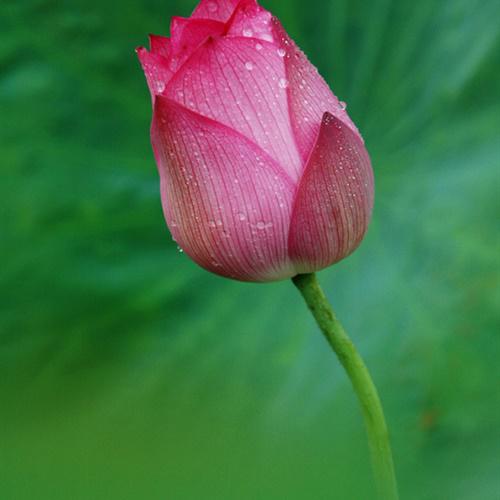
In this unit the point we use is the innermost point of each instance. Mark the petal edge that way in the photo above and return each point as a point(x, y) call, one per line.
point(156, 71)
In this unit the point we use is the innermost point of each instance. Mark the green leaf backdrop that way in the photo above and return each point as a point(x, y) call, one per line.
point(126, 372)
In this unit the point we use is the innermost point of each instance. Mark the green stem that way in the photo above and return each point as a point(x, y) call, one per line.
point(362, 383)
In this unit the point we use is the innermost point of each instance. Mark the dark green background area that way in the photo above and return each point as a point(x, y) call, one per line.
point(127, 372)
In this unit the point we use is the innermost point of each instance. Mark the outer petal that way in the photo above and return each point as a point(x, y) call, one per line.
point(334, 199)
point(251, 20)
point(308, 93)
point(239, 82)
point(227, 203)
point(219, 10)
point(156, 70)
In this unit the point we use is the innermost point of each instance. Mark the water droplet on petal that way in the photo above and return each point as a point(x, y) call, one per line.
point(283, 83)
point(343, 105)
point(249, 66)
point(242, 216)
point(281, 52)
point(180, 249)
point(247, 32)
point(259, 46)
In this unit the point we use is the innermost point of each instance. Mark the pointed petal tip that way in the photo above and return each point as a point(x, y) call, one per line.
point(250, 20)
point(219, 10)
point(340, 121)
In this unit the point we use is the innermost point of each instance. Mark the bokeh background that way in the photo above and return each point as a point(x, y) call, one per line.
point(127, 372)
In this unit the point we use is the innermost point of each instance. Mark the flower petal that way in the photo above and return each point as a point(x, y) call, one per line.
point(159, 45)
point(187, 35)
point(334, 199)
point(309, 94)
point(251, 20)
point(240, 82)
point(156, 70)
point(226, 202)
point(219, 10)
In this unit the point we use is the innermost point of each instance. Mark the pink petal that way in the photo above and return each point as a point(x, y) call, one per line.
point(251, 20)
point(188, 35)
point(309, 94)
point(334, 199)
point(219, 10)
point(156, 71)
point(159, 45)
point(226, 202)
point(240, 82)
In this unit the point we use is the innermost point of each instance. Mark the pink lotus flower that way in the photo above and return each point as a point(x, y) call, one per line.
point(263, 174)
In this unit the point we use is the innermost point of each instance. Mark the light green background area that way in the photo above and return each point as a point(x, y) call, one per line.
point(127, 372)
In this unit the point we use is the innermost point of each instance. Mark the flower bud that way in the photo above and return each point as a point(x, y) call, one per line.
point(263, 174)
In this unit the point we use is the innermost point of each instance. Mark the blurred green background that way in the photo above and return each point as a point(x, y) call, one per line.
point(127, 372)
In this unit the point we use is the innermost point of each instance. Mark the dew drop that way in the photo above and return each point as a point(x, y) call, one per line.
point(283, 83)
point(264, 225)
point(249, 66)
point(247, 32)
point(180, 249)
point(160, 87)
point(242, 216)
point(281, 52)
point(343, 105)
point(259, 46)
